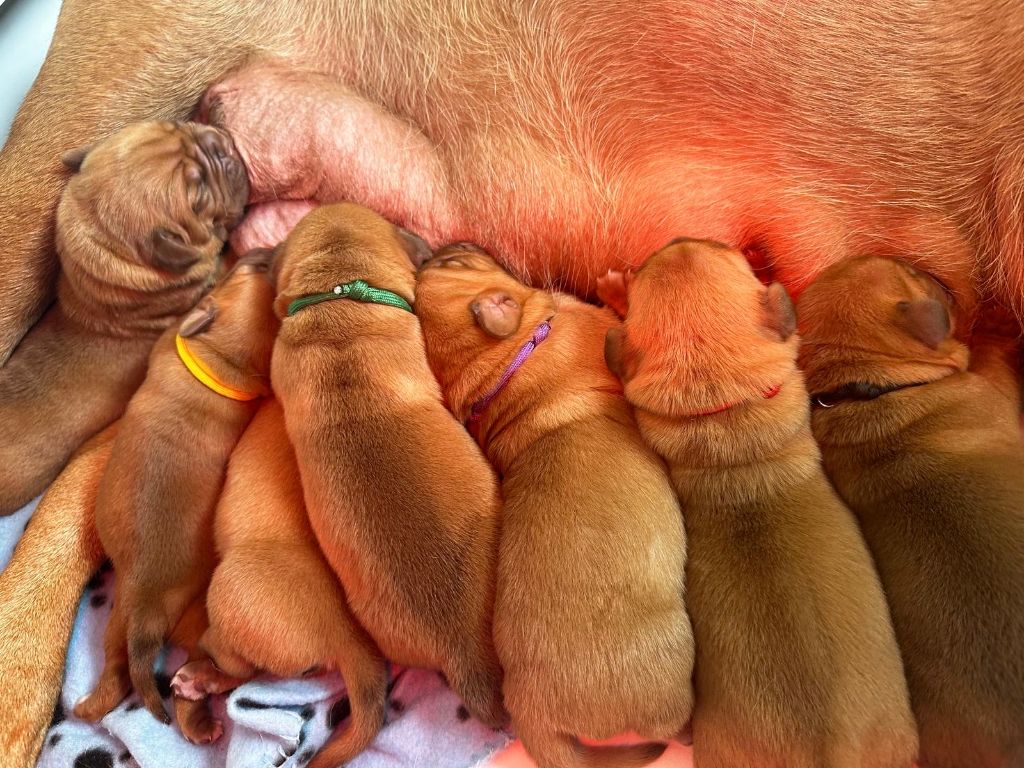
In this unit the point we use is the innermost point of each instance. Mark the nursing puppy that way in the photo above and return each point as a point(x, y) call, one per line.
point(589, 620)
point(156, 500)
point(929, 456)
point(797, 664)
point(402, 503)
point(271, 574)
point(139, 233)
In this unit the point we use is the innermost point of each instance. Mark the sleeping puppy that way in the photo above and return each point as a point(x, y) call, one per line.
point(139, 233)
point(929, 456)
point(402, 503)
point(271, 574)
point(797, 663)
point(589, 620)
point(155, 507)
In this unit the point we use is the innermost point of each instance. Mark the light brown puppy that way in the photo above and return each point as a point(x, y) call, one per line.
point(57, 554)
point(402, 503)
point(929, 456)
point(268, 560)
point(589, 620)
point(155, 508)
point(797, 664)
point(139, 234)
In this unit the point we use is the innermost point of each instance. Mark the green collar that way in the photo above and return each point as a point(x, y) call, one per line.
point(357, 290)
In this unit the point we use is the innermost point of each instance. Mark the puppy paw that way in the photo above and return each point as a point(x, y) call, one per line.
point(613, 291)
point(187, 682)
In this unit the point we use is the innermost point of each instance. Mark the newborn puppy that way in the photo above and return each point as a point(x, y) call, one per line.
point(797, 663)
point(589, 620)
point(930, 458)
point(402, 503)
point(271, 574)
point(155, 505)
point(139, 233)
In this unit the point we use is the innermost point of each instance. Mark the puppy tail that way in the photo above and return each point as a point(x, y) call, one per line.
point(146, 637)
point(560, 750)
point(366, 680)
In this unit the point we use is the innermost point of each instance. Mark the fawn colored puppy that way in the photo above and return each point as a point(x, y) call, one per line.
point(589, 620)
point(797, 664)
point(403, 504)
point(271, 574)
point(140, 227)
point(154, 512)
point(929, 456)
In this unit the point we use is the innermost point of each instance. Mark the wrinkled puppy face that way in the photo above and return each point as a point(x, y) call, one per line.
point(700, 331)
point(467, 304)
point(237, 317)
point(168, 192)
point(878, 311)
point(336, 244)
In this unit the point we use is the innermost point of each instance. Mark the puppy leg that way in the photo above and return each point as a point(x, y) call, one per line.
point(39, 592)
point(167, 53)
point(114, 683)
point(478, 684)
point(193, 714)
point(365, 676)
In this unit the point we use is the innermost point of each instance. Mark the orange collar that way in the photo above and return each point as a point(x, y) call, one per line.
point(206, 377)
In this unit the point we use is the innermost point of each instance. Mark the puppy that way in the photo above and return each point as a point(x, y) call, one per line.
point(402, 503)
point(589, 620)
point(139, 233)
point(271, 574)
point(797, 663)
point(56, 556)
point(929, 456)
point(155, 505)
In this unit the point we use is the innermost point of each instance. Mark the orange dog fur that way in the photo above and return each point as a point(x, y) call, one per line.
point(402, 503)
point(140, 228)
point(935, 472)
point(155, 508)
point(589, 619)
point(797, 664)
point(269, 559)
point(57, 554)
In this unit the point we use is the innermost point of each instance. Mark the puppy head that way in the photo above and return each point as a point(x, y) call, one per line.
point(877, 316)
point(700, 331)
point(236, 319)
point(159, 194)
point(337, 244)
point(469, 306)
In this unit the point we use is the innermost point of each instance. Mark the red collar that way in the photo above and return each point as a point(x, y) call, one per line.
point(768, 394)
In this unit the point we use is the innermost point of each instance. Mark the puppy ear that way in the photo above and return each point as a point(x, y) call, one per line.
point(613, 351)
point(415, 246)
point(779, 314)
point(73, 158)
point(167, 250)
point(926, 319)
point(199, 319)
point(613, 290)
point(497, 313)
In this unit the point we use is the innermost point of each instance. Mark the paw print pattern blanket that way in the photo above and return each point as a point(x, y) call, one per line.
point(267, 722)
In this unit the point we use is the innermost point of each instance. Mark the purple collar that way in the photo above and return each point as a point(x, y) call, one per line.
point(539, 334)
